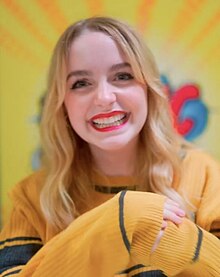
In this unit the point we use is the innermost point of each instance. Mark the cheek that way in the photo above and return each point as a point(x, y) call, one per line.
point(139, 101)
point(71, 108)
point(76, 112)
point(140, 107)
point(70, 103)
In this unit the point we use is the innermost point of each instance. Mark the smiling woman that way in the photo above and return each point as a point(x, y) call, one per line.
point(118, 190)
point(103, 95)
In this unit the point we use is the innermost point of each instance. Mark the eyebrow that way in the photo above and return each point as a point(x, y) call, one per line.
point(120, 65)
point(78, 73)
point(89, 73)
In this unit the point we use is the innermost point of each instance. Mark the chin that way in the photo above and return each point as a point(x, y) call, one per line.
point(112, 148)
point(114, 145)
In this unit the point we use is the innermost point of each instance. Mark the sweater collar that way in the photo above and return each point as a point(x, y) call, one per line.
point(113, 184)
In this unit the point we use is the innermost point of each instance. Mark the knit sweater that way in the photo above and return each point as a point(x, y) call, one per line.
point(115, 238)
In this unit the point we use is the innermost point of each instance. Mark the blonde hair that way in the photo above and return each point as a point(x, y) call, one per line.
point(67, 157)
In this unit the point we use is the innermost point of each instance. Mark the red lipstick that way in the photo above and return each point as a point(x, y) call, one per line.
point(111, 121)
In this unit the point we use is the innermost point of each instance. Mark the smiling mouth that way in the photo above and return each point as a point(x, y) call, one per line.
point(110, 122)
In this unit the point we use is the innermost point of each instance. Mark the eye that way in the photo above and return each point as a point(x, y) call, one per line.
point(80, 84)
point(123, 76)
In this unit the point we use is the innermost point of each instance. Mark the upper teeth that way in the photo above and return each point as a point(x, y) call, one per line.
point(108, 120)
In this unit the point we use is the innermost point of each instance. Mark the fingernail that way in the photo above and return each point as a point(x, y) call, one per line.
point(182, 213)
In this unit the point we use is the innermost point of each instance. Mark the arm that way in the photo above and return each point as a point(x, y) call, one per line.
point(102, 242)
point(187, 249)
point(200, 184)
point(208, 214)
point(19, 241)
point(25, 232)
point(93, 245)
point(181, 247)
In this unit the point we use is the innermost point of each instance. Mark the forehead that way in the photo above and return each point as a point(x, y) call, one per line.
point(94, 46)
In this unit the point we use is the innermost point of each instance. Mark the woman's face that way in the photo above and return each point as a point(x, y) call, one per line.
point(106, 105)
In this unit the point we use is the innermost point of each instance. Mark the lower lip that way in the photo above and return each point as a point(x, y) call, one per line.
point(110, 128)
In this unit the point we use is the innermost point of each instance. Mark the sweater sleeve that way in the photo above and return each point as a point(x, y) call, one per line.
point(184, 247)
point(24, 233)
point(104, 240)
point(188, 249)
point(19, 241)
point(98, 242)
point(95, 244)
point(200, 185)
point(208, 214)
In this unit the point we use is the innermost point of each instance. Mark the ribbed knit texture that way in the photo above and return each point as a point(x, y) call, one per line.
point(116, 237)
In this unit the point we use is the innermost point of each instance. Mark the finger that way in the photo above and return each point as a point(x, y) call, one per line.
point(171, 216)
point(157, 241)
point(164, 225)
point(175, 209)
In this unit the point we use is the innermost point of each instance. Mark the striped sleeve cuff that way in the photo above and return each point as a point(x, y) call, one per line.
point(16, 252)
point(186, 245)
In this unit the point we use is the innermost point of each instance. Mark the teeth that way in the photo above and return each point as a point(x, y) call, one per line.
point(109, 121)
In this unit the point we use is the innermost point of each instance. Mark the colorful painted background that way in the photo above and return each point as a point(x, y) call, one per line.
point(184, 36)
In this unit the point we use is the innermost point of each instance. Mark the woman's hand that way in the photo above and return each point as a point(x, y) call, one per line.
point(172, 212)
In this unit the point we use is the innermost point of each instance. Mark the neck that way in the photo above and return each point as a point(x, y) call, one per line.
point(120, 162)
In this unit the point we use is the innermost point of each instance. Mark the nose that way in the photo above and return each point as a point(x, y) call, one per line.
point(104, 94)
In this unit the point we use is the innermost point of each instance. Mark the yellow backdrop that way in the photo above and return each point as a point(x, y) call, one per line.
point(184, 35)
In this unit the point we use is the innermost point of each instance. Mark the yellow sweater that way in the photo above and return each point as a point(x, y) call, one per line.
point(116, 236)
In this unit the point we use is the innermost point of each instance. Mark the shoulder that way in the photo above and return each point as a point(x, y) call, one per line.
point(29, 188)
point(198, 157)
point(199, 167)
point(201, 181)
point(199, 176)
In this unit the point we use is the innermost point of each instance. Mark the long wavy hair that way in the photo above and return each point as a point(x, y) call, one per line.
point(67, 158)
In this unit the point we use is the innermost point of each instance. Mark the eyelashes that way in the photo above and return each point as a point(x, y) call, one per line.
point(80, 84)
point(119, 78)
point(123, 76)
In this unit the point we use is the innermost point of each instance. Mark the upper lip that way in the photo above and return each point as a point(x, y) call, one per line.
point(107, 115)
